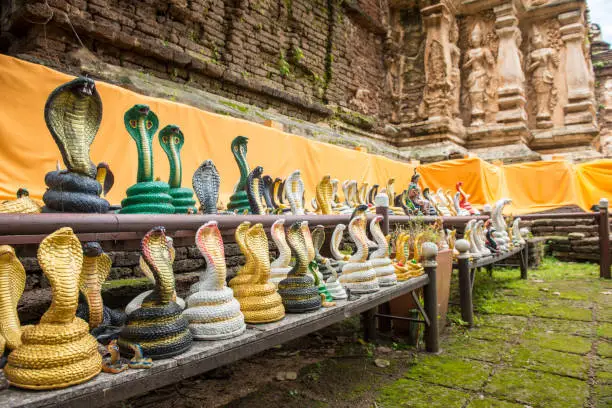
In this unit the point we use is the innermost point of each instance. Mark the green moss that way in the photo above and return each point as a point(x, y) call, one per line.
point(450, 371)
point(550, 361)
point(118, 283)
point(508, 307)
point(492, 403)
point(557, 341)
point(493, 333)
point(605, 330)
point(484, 350)
point(411, 393)
point(604, 349)
point(603, 395)
point(235, 106)
point(562, 326)
point(561, 311)
point(503, 322)
point(539, 389)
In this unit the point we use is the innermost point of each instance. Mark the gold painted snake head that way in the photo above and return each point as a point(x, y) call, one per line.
point(73, 114)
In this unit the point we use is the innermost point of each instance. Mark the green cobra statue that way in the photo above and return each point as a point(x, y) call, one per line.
point(146, 196)
point(171, 139)
point(239, 201)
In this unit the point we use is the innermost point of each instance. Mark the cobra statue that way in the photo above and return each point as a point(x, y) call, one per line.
point(212, 311)
point(334, 246)
point(360, 211)
point(357, 273)
point(59, 351)
point(490, 241)
point(406, 268)
point(104, 323)
point(22, 205)
point(171, 139)
point(385, 272)
point(441, 203)
point(294, 191)
point(298, 290)
point(206, 182)
point(146, 196)
point(267, 192)
point(499, 224)
point(324, 195)
point(255, 191)
point(259, 301)
point(239, 201)
point(12, 284)
point(362, 194)
point(461, 212)
point(279, 268)
point(136, 303)
point(324, 264)
point(517, 236)
point(372, 192)
point(158, 325)
point(73, 114)
point(463, 200)
point(276, 193)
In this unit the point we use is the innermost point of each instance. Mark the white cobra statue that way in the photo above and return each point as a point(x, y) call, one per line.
point(279, 268)
point(385, 272)
point(294, 191)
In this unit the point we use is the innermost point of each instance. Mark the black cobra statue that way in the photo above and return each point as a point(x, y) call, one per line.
point(73, 114)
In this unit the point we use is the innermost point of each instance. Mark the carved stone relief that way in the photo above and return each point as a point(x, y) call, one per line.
point(455, 71)
point(479, 63)
point(542, 65)
point(366, 102)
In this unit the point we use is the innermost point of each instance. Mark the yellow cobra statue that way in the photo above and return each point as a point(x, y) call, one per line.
point(324, 195)
point(414, 267)
point(12, 284)
point(259, 301)
point(401, 243)
point(22, 205)
point(59, 351)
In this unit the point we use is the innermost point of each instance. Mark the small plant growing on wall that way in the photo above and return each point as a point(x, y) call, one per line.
point(283, 66)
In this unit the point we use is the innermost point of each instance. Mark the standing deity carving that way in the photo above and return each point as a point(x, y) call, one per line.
point(455, 72)
point(542, 65)
point(480, 62)
point(393, 77)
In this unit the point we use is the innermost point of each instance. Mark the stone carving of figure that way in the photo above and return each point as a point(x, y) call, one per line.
point(455, 72)
point(480, 62)
point(542, 64)
point(393, 78)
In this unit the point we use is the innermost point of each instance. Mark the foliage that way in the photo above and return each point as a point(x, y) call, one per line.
point(283, 66)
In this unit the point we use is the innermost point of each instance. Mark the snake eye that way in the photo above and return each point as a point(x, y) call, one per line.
point(236, 149)
point(133, 123)
point(177, 140)
point(149, 124)
point(165, 139)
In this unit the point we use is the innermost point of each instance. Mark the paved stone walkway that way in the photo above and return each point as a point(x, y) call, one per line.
point(544, 342)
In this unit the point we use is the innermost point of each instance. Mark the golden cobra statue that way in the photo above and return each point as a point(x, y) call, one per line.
point(12, 284)
point(259, 301)
point(59, 351)
point(22, 205)
point(324, 195)
point(401, 255)
point(94, 272)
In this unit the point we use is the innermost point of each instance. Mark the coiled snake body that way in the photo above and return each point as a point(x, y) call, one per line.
point(157, 326)
point(298, 290)
point(212, 311)
point(59, 351)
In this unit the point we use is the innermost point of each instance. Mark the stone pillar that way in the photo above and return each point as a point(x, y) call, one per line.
point(579, 108)
point(511, 90)
point(436, 97)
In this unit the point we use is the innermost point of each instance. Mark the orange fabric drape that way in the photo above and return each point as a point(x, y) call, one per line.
point(27, 152)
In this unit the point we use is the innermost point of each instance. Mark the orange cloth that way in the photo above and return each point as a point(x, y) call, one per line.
point(28, 152)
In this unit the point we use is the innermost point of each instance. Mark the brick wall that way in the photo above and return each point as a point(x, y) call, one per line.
point(285, 54)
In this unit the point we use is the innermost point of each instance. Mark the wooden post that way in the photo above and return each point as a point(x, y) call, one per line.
point(368, 320)
point(604, 240)
point(430, 295)
point(465, 282)
point(382, 209)
point(524, 260)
